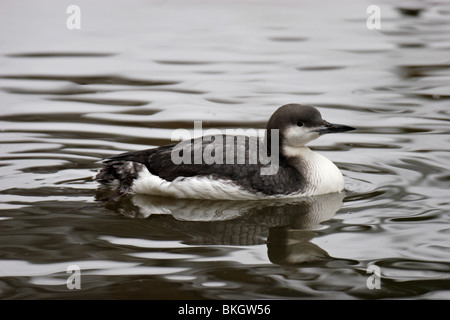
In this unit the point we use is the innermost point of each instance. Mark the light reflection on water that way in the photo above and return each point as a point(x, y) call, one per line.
point(71, 98)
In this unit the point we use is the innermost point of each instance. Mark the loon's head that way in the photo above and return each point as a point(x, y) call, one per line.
point(300, 124)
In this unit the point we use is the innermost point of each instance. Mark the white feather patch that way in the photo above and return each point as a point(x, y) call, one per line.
point(322, 174)
point(190, 187)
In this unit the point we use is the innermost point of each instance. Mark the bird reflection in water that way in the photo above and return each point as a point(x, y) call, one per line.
point(285, 226)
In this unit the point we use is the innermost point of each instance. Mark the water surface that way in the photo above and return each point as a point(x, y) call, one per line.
point(138, 70)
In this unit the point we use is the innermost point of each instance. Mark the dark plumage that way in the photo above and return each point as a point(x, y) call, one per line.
point(126, 166)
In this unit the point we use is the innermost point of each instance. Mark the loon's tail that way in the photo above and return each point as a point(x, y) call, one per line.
point(123, 171)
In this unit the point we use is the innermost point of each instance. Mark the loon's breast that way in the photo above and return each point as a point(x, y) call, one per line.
point(321, 175)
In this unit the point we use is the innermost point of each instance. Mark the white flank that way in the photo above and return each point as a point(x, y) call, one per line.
point(190, 187)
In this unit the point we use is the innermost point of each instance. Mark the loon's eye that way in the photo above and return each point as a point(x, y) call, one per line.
point(300, 124)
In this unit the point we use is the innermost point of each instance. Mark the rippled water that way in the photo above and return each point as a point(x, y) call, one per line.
point(139, 69)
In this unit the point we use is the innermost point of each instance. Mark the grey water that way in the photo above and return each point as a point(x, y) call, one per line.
point(137, 70)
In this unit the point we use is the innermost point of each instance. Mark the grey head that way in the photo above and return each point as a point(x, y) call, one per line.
point(299, 124)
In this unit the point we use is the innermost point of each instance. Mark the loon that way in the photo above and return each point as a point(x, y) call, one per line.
point(298, 172)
